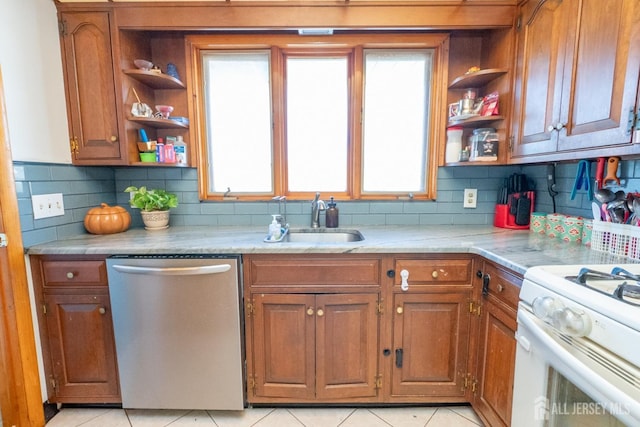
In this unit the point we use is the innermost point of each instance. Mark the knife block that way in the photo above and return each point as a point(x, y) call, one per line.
point(503, 217)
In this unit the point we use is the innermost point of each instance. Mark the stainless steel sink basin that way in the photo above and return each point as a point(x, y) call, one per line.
point(323, 235)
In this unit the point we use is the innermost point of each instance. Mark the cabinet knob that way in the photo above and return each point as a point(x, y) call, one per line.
point(102, 310)
point(399, 310)
point(434, 274)
point(113, 138)
point(70, 275)
point(310, 311)
point(499, 288)
point(320, 312)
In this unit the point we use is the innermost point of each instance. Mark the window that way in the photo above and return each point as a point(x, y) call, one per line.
point(291, 115)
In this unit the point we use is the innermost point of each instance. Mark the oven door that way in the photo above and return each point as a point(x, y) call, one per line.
point(567, 381)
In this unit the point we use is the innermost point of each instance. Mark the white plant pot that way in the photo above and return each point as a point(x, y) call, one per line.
point(155, 220)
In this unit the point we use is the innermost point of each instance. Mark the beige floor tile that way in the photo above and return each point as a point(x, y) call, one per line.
point(246, 418)
point(364, 418)
point(321, 417)
point(154, 417)
point(467, 412)
point(445, 417)
point(279, 418)
point(405, 417)
point(113, 418)
point(76, 416)
point(194, 419)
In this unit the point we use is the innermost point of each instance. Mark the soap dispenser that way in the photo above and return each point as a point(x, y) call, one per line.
point(275, 230)
point(331, 215)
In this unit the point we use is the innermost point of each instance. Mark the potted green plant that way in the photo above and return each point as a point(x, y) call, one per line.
point(154, 205)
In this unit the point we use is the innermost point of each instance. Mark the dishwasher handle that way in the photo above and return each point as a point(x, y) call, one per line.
point(173, 271)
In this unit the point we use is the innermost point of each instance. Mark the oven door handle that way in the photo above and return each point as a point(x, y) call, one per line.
point(573, 368)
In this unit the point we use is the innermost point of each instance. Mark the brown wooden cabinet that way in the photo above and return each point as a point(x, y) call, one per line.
point(92, 104)
point(576, 80)
point(430, 333)
point(76, 329)
point(492, 377)
point(312, 328)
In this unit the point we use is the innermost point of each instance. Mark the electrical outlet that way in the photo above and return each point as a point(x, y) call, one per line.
point(470, 197)
point(47, 205)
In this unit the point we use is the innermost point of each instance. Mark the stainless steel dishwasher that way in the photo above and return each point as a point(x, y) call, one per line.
point(177, 327)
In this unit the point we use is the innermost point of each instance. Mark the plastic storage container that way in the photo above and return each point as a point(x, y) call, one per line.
point(484, 145)
point(454, 144)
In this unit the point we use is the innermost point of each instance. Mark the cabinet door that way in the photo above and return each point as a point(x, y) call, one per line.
point(430, 338)
point(600, 77)
point(496, 363)
point(80, 336)
point(538, 74)
point(90, 85)
point(283, 333)
point(346, 344)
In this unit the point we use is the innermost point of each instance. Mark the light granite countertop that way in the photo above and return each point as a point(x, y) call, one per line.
point(514, 249)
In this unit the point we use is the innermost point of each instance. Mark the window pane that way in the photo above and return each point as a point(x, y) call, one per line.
point(317, 123)
point(238, 115)
point(396, 115)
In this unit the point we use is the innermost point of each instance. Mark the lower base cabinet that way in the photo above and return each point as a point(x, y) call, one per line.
point(496, 348)
point(314, 347)
point(430, 346)
point(76, 329)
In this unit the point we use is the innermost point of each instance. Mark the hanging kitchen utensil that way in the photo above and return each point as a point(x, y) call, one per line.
point(140, 109)
point(600, 172)
point(612, 171)
point(582, 180)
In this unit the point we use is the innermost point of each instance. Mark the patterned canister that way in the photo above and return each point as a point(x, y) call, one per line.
point(538, 222)
point(587, 229)
point(572, 228)
point(554, 225)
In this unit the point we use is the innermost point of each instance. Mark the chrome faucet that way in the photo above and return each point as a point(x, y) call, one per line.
point(317, 205)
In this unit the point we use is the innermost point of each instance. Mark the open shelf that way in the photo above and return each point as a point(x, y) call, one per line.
point(155, 80)
point(474, 122)
point(158, 123)
point(477, 79)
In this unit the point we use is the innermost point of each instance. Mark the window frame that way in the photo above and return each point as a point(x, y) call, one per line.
point(281, 45)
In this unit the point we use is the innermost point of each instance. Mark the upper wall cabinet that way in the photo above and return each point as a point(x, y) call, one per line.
point(90, 88)
point(576, 82)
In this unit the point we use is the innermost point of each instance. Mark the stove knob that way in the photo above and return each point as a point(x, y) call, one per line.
point(572, 323)
point(543, 307)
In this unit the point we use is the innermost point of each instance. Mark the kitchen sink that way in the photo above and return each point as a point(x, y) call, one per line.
point(323, 235)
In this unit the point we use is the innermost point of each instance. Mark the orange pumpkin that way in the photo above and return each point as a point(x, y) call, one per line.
point(106, 219)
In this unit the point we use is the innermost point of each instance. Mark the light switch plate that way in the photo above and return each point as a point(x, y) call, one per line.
point(470, 197)
point(47, 205)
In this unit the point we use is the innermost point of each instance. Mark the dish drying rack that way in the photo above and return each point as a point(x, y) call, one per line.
point(617, 239)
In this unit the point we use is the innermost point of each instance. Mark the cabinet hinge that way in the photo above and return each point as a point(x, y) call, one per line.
point(3, 240)
point(378, 382)
point(470, 382)
point(252, 384)
point(54, 383)
point(475, 308)
point(633, 122)
point(250, 309)
point(380, 307)
point(73, 142)
point(62, 27)
point(519, 22)
point(44, 309)
point(511, 139)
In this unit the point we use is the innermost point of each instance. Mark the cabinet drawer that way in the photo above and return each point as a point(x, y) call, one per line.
point(434, 271)
point(74, 272)
point(313, 270)
point(503, 284)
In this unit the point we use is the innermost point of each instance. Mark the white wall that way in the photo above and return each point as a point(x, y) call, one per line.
point(33, 84)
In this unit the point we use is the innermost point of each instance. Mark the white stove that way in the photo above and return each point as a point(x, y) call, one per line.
point(579, 345)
